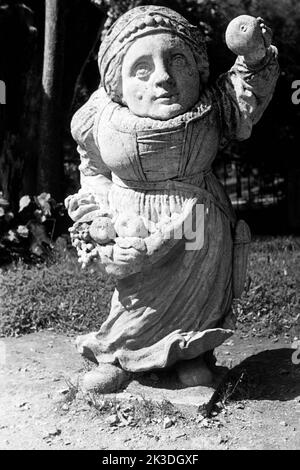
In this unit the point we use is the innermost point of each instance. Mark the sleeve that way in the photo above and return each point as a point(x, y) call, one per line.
point(243, 93)
point(95, 177)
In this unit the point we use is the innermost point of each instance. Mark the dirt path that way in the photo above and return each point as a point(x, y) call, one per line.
point(264, 413)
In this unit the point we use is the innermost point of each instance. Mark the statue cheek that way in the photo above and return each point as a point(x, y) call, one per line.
point(144, 93)
point(192, 82)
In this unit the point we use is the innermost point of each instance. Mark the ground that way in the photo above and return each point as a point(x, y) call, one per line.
point(258, 406)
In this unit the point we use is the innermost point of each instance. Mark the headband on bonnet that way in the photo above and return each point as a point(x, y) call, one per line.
point(139, 22)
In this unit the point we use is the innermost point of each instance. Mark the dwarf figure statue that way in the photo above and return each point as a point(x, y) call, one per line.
point(150, 211)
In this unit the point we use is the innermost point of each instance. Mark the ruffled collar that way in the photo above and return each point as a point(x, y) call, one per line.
point(123, 120)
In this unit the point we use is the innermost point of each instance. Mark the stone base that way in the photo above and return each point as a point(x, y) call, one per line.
point(162, 386)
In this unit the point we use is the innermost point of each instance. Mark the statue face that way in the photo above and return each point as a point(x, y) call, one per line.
point(160, 78)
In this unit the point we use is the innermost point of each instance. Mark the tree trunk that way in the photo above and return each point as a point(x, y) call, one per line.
point(50, 165)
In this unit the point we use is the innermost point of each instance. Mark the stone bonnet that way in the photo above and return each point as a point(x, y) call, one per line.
point(138, 22)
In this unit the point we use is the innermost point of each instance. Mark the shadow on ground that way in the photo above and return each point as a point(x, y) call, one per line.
point(268, 375)
point(167, 379)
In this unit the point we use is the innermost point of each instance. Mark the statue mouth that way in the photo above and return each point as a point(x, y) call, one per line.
point(167, 98)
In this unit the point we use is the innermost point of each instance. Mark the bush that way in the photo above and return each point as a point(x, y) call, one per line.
point(28, 233)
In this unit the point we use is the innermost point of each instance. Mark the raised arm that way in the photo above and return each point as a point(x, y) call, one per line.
point(244, 92)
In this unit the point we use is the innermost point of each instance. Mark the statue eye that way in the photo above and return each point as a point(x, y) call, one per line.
point(142, 70)
point(179, 60)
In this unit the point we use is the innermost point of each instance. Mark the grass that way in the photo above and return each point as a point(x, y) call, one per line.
point(57, 294)
point(60, 295)
point(270, 304)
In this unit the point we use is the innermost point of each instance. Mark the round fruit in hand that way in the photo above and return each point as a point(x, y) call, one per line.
point(244, 35)
point(102, 230)
point(131, 226)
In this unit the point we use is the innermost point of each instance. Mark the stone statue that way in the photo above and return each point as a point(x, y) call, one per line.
point(147, 139)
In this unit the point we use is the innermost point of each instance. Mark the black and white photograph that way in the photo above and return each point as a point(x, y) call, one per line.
point(149, 227)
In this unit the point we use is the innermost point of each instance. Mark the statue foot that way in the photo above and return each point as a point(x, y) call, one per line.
point(106, 378)
point(194, 372)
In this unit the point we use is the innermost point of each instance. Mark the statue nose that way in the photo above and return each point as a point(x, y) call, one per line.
point(162, 76)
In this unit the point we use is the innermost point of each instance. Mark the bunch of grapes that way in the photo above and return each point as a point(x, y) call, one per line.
point(87, 248)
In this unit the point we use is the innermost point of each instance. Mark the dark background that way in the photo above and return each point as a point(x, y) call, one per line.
point(37, 153)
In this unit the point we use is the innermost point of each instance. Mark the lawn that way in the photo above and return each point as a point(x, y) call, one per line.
point(60, 295)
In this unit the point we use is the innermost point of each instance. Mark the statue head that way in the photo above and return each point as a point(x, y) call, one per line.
point(154, 62)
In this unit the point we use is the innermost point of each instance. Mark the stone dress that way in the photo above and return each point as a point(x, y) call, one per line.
point(179, 305)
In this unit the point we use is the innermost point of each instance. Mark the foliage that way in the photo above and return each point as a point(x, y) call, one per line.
point(114, 9)
point(28, 234)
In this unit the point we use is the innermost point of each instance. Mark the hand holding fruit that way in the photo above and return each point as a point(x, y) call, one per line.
point(124, 237)
point(90, 234)
point(129, 250)
point(128, 257)
point(249, 37)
